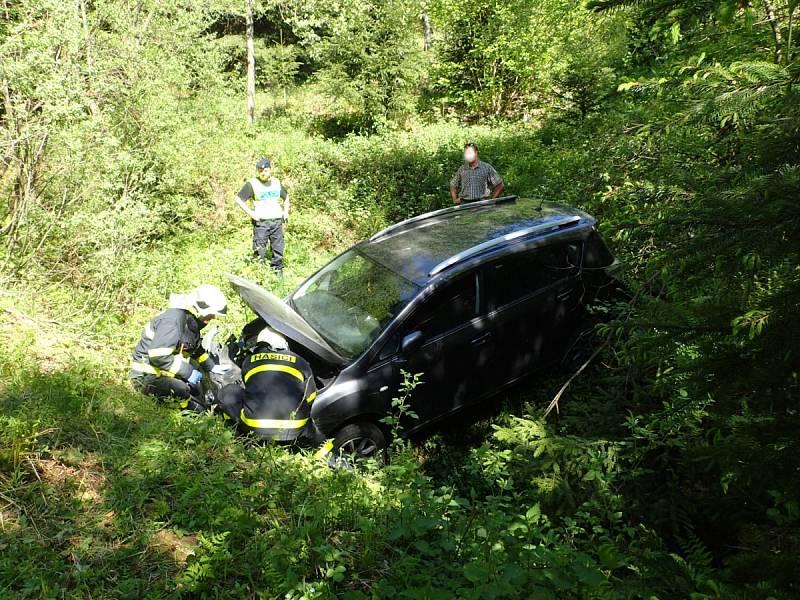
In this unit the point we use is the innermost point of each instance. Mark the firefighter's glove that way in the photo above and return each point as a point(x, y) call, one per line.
point(195, 377)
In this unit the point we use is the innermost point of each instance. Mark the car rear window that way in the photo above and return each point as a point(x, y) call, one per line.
point(596, 255)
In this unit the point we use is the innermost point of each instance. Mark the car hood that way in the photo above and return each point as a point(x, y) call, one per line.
point(281, 317)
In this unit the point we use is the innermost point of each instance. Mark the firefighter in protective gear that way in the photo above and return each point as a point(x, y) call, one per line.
point(278, 391)
point(166, 358)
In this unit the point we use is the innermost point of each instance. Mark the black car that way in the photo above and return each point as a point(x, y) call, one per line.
point(473, 297)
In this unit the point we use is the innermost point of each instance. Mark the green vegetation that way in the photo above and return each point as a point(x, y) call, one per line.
point(670, 468)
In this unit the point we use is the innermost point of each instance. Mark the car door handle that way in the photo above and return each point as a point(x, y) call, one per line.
point(480, 341)
point(564, 296)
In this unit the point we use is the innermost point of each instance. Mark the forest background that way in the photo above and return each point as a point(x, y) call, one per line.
point(671, 468)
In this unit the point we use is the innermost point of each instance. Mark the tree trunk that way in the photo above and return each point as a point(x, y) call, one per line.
point(776, 29)
point(91, 102)
point(86, 39)
point(147, 21)
point(251, 66)
point(285, 91)
point(427, 32)
point(792, 10)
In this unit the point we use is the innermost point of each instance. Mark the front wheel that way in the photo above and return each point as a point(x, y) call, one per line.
point(357, 442)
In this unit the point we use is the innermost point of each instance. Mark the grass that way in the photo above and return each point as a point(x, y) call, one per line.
point(106, 494)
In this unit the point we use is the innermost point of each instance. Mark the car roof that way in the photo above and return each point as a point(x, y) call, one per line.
point(421, 248)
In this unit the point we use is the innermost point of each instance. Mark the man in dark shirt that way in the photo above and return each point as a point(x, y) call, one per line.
point(475, 179)
point(266, 202)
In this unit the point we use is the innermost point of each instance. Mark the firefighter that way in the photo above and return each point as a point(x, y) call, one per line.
point(168, 358)
point(278, 391)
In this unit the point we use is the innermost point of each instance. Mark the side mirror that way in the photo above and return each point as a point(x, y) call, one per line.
point(411, 342)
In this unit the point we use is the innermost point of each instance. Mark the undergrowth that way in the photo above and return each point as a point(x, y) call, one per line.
point(103, 493)
point(111, 495)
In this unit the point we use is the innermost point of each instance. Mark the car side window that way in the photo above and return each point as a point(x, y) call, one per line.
point(454, 305)
point(391, 347)
point(449, 307)
point(519, 275)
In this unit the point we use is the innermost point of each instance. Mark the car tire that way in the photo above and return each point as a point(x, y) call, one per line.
point(356, 442)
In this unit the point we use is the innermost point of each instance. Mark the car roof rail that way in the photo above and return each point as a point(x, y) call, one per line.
point(442, 211)
point(559, 223)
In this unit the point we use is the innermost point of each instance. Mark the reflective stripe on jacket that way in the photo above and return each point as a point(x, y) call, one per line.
point(279, 390)
point(168, 344)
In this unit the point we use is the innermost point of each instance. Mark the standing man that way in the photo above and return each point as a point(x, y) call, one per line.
point(269, 211)
point(475, 180)
point(163, 362)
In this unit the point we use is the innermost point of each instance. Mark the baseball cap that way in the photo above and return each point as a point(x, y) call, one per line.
point(263, 163)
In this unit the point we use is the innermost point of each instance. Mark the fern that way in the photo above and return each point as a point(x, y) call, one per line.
point(698, 557)
point(662, 12)
point(738, 91)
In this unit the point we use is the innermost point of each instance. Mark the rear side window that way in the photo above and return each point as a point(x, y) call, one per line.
point(516, 276)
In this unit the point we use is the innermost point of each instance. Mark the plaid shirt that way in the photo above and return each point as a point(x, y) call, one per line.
point(473, 183)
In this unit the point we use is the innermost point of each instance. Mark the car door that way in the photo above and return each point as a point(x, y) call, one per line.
point(531, 297)
point(452, 353)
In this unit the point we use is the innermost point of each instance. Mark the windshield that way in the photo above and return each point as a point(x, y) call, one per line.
point(351, 300)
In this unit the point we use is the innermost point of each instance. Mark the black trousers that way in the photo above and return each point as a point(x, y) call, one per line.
point(231, 400)
point(269, 231)
point(170, 390)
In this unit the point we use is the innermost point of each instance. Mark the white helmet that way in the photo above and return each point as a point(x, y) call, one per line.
point(273, 339)
point(209, 301)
